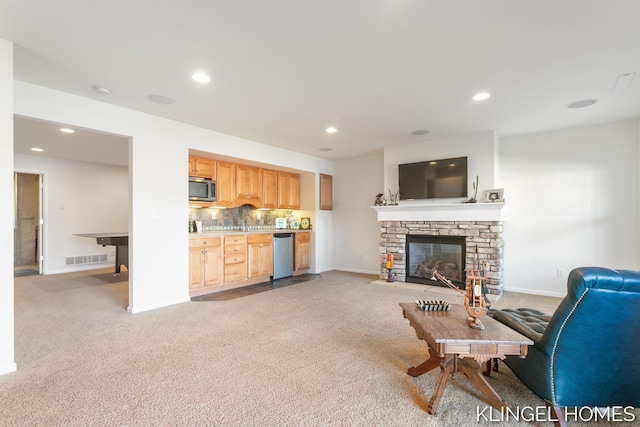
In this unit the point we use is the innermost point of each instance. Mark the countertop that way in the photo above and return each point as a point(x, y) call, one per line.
point(249, 231)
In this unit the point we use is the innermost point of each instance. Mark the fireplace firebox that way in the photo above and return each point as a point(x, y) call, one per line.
point(425, 254)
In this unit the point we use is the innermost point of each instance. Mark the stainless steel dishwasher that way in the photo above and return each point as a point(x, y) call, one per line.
point(282, 255)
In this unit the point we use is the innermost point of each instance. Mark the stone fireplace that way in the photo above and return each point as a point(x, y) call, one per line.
point(478, 227)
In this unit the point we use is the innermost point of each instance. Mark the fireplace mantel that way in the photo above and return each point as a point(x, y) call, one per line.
point(441, 212)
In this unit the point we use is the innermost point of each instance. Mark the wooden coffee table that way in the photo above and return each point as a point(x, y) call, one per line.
point(455, 347)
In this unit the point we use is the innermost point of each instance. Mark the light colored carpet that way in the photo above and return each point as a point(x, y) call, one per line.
point(328, 352)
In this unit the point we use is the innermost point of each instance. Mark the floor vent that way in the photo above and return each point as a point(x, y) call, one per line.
point(87, 259)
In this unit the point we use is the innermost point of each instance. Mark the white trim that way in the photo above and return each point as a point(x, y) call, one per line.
point(441, 212)
point(535, 292)
point(162, 304)
point(11, 367)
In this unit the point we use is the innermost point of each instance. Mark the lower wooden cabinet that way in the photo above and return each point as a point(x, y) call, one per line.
point(231, 261)
point(205, 257)
point(235, 258)
point(260, 250)
point(302, 251)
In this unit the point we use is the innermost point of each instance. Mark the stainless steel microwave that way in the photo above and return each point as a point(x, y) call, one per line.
point(202, 189)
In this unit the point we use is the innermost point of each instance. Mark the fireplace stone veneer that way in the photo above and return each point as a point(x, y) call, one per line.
point(483, 242)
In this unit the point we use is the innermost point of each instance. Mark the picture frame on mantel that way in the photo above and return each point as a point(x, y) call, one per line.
point(494, 196)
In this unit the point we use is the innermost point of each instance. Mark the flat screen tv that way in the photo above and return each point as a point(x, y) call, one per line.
point(435, 179)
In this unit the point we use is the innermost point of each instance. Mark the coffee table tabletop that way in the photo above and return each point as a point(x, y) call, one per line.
point(456, 347)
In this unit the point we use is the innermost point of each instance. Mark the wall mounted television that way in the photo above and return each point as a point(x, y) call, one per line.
point(434, 179)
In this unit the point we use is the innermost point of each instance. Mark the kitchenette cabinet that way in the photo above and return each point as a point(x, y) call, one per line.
point(225, 184)
point(235, 258)
point(302, 251)
point(288, 190)
point(228, 261)
point(205, 255)
point(269, 189)
point(248, 186)
point(202, 167)
point(260, 249)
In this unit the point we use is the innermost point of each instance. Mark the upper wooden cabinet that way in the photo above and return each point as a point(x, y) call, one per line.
point(248, 186)
point(288, 190)
point(225, 184)
point(202, 167)
point(326, 192)
point(269, 189)
point(238, 184)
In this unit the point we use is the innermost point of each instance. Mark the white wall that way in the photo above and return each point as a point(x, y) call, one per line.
point(571, 200)
point(356, 227)
point(158, 155)
point(79, 197)
point(479, 148)
point(7, 361)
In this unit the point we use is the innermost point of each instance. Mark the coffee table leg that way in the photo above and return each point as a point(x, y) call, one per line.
point(447, 368)
point(471, 369)
point(432, 362)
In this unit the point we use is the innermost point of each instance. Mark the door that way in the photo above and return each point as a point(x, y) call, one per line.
point(27, 254)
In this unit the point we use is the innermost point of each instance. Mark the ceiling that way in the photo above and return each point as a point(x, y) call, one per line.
point(284, 70)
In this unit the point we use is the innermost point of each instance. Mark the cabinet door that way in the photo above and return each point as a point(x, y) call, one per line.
point(288, 190)
point(302, 251)
point(326, 192)
point(196, 268)
point(202, 167)
point(260, 255)
point(269, 189)
point(266, 259)
point(225, 184)
point(248, 185)
point(212, 264)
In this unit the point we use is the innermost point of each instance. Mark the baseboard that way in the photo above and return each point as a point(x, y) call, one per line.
point(535, 292)
point(358, 270)
point(143, 308)
point(7, 369)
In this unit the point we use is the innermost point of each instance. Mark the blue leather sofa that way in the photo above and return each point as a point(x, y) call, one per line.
point(588, 352)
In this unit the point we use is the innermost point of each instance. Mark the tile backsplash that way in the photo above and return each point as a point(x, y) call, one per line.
point(230, 219)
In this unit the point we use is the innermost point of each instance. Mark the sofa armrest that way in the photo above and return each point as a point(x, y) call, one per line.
point(529, 322)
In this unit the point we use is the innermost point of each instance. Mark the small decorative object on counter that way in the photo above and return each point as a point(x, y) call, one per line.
point(192, 226)
point(389, 265)
point(305, 223)
point(380, 201)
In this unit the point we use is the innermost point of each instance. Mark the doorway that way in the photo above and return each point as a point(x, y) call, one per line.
point(27, 250)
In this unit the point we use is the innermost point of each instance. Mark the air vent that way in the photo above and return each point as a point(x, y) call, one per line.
point(87, 259)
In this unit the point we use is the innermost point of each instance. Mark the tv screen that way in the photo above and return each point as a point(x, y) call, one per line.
point(435, 179)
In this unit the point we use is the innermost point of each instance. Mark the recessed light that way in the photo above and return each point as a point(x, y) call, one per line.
point(481, 96)
point(201, 77)
point(37, 149)
point(331, 130)
point(582, 103)
point(67, 130)
point(325, 149)
point(159, 99)
point(420, 132)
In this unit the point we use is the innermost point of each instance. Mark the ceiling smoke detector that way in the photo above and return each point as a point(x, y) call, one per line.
point(101, 90)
